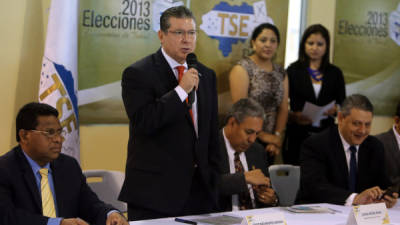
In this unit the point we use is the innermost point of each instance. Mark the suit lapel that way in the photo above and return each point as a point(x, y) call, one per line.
point(29, 179)
point(224, 154)
point(324, 85)
point(308, 86)
point(393, 142)
point(201, 101)
point(165, 73)
point(251, 160)
point(339, 154)
point(58, 189)
point(363, 161)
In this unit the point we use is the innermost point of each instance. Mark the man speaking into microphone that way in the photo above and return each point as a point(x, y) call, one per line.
point(173, 155)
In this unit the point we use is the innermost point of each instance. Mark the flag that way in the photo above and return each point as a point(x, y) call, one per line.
point(58, 79)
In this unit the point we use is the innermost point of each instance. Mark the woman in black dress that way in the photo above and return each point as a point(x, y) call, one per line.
point(313, 79)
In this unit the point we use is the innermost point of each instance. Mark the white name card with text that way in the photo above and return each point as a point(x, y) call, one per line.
point(372, 214)
point(265, 219)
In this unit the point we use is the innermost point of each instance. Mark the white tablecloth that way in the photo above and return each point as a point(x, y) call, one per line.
point(338, 218)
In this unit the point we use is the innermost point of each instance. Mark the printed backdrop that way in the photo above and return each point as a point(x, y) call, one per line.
point(114, 34)
point(367, 49)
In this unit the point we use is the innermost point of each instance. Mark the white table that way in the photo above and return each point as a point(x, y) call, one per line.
point(339, 218)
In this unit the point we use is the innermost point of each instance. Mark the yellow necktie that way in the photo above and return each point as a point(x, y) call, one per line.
point(47, 196)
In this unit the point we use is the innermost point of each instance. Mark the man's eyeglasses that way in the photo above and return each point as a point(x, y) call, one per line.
point(52, 133)
point(182, 33)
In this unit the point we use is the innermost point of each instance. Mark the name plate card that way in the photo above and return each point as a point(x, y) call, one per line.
point(368, 215)
point(265, 219)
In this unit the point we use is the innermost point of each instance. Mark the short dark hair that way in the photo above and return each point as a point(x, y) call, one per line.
point(356, 101)
point(28, 114)
point(245, 107)
point(398, 109)
point(303, 57)
point(258, 30)
point(176, 12)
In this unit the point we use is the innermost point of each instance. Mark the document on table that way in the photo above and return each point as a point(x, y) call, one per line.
point(310, 209)
point(316, 113)
point(220, 220)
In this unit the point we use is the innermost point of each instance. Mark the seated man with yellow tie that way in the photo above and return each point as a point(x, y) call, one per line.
point(244, 179)
point(344, 164)
point(39, 185)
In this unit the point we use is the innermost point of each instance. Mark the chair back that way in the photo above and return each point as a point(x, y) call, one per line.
point(285, 180)
point(107, 186)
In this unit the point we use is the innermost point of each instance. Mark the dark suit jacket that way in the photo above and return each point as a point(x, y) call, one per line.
point(324, 171)
point(163, 146)
point(392, 154)
point(235, 183)
point(20, 201)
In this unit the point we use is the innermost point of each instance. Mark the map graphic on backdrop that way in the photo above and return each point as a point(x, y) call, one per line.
point(394, 25)
point(243, 19)
point(126, 30)
point(367, 49)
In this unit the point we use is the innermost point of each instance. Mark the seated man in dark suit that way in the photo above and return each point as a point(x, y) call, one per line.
point(244, 162)
point(39, 185)
point(343, 164)
point(391, 144)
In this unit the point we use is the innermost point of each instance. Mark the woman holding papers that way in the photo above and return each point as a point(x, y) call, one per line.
point(316, 86)
point(258, 77)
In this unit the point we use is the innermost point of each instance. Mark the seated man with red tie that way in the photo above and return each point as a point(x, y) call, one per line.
point(244, 165)
point(344, 164)
point(40, 185)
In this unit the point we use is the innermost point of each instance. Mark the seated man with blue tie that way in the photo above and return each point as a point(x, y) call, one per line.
point(40, 185)
point(244, 165)
point(344, 164)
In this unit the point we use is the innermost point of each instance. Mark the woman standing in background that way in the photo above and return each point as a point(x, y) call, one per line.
point(258, 77)
point(313, 79)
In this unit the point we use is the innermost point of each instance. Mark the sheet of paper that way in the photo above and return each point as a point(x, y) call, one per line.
point(220, 220)
point(310, 209)
point(316, 113)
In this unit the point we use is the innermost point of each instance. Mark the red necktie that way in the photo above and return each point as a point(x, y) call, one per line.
point(244, 197)
point(181, 69)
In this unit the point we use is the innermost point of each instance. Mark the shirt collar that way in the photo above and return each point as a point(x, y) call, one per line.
point(228, 145)
point(346, 145)
point(34, 165)
point(172, 62)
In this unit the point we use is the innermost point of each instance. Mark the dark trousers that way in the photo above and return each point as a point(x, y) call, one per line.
point(198, 202)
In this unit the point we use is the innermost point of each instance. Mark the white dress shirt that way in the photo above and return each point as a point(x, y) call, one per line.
point(347, 152)
point(317, 89)
point(231, 160)
point(397, 135)
point(179, 90)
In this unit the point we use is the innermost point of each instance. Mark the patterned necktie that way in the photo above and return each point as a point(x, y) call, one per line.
point(47, 196)
point(181, 69)
point(353, 169)
point(244, 197)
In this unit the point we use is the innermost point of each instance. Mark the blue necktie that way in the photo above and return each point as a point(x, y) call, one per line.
point(353, 169)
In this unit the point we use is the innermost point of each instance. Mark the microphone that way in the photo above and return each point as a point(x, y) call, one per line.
point(191, 61)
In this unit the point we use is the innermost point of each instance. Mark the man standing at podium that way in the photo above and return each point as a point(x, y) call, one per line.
point(172, 164)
